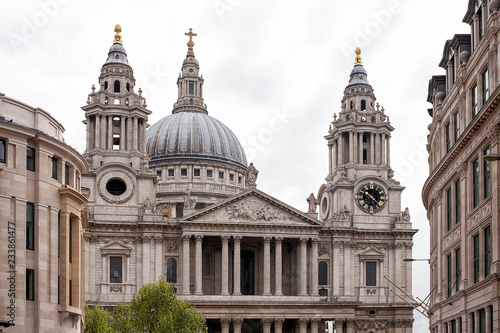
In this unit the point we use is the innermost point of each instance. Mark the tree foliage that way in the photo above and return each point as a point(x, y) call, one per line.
point(154, 309)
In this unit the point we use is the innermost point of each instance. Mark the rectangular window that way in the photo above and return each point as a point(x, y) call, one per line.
point(30, 284)
point(70, 240)
point(448, 208)
point(191, 87)
point(365, 156)
point(475, 182)
point(486, 93)
point(456, 127)
point(490, 311)
point(239, 179)
point(59, 234)
point(448, 137)
point(457, 201)
point(170, 172)
point(458, 270)
point(476, 258)
point(54, 167)
point(158, 173)
point(30, 226)
point(371, 274)
point(30, 159)
point(184, 172)
point(473, 322)
point(474, 101)
point(196, 172)
point(453, 326)
point(66, 174)
point(450, 275)
point(460, 324)
point(482, 320)
point(486, 174)
point(221, 174)
point(231, 177)
point(115, 269)
point(209, 173)
point(70, 293)
point(2, 151)
point(487, 251)
point(58, 289)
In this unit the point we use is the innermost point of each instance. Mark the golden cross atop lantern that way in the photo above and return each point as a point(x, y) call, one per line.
point(118, 38)
point(190, 43)
point(357, 61)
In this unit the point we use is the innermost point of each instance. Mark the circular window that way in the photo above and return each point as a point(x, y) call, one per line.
point(116, 187)
point(324, 205)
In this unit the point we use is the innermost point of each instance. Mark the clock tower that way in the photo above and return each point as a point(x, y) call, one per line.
point(360, 178)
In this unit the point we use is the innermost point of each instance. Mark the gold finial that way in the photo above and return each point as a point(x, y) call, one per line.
point(190, 43)
point(358, 57)
point(118, 38)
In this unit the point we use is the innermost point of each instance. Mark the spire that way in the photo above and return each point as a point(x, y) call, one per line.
point(357, 61)
point(190, 43)
point(118, 38)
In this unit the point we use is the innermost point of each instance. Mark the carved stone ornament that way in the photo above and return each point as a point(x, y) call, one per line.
point(311, 200)
point(116, 289)
point(323, 249)
point(253, 210)
point(251, 175)
point(342, 215)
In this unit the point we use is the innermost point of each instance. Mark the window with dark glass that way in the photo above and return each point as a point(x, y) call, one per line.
point(2, 151)
point(231, 177)
point(474, 101)
point(115, 269)
point(453, 326)
point(475, 182)
point(486, 93)
point(70, 292)
point(66, 174)
point(322, 273)
point(363, 105)
point(30, 284)
point(54, 167)
point(487, 251)
point(30, 226)
point(457, 201)
point(221, 174)
point(450, 275)
point(456, 127)
point(170, 172)
point(371, 273)
point(172, 270)
point(158, 173)
point(448, 137)
point(490, 310)
point(30, 159)
point(184, 172)
point(476, 258)
point(458, 270)
point(448, 208)
point(116, 86)
point(191, 87)
point(482, 320)
point(209, 173)
point(473, 322)
point(486, 174)
point(196, 172)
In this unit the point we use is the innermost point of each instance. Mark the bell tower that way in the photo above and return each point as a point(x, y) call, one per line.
point(190, 83)
point(116, 117)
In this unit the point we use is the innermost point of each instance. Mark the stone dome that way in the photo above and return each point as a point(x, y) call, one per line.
point(117, 55)
point(194, 137)
point(358, 76)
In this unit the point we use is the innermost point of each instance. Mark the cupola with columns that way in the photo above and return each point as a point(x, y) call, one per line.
point(116, 117)
point(358, 139)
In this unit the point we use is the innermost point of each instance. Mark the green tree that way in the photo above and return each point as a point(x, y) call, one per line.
point(96, 320)
point(121, 319)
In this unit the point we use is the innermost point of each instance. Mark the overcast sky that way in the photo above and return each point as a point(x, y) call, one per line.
point(274, 73)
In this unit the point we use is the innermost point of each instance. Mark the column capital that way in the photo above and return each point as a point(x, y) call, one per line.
point(225, 322)
point(199, 238)
point(267, 322)
point(225, 239)
point(279, 321)
point(278, 239)
point(237, 239)
point(315, 241)
point(315, 322)
point(303, 321)
point(267, 239)
point(304, 240)
point(237, 321)
point(186, 238)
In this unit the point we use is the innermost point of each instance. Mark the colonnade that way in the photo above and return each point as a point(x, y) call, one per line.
point(236, 264)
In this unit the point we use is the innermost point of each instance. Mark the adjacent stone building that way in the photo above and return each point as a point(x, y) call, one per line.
point(180, 201)
point(461, 192)
point(42, 222)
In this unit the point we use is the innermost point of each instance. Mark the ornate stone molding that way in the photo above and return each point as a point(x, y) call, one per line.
point(171, 246)
point(323, 249)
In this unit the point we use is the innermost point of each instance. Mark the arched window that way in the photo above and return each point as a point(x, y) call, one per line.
point(105, 85)
point(172, 270)
point(352, 105)
point(117, 86)
point(128, 86)
point(105, 100)
point(322, 273)
point(363, 105)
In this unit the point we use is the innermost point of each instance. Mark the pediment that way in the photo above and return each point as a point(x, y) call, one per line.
point(116, 248)
point(252, 207)
point(371, 253)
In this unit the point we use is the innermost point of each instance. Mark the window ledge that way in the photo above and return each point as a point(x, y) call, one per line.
point(69, 309)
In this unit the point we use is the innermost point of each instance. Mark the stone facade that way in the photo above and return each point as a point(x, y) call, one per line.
point(461, 192)
point(42, 222)
point(190, 210)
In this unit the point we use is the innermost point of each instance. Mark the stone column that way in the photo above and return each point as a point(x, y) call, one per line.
point(267, 265)
point(278, 267)
point(198, 270)
point(351, 147)
point(224, 323)
point(110, 132)
point(185, 265)
point(330, 159)
point(314, 325)
point(488, 315)
point(122, 133)
point(88, 131)
point(477, 321)
point(146, 263)
point(237, 267)
point(355, 148)
point(388, 150)
point(360, 145)
point(134, 134)
point(129, 133)
point(314, 266)
point(384, 160)
point(303, 267)
point(303, 325)
point(335, 267)
point(377, 149)
point(372, 149)
point(97, 143)
point(350, 326)
point(340, 159)
point(335, 154)
point(237, 325)
point(278, 325)
point(225, 268)
point(266, 323)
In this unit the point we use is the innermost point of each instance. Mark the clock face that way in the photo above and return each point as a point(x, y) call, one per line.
point(371, 198)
